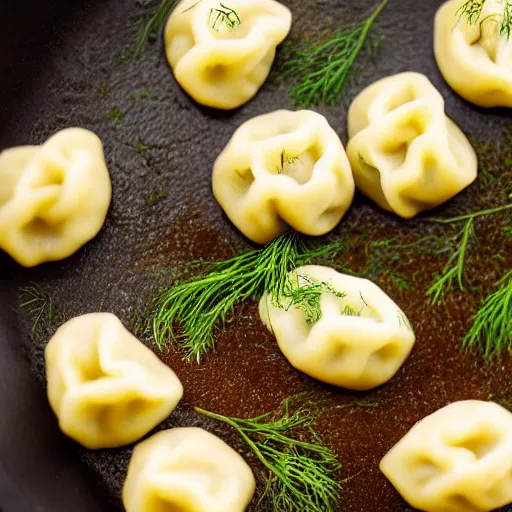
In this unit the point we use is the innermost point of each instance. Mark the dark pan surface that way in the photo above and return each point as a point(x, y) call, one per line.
point(82, 75)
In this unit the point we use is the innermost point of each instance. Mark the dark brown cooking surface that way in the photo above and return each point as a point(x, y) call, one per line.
point(163, 215)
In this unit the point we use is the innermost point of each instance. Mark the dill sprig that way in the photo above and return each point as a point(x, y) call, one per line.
point(454, 269)
point(150, 26)
point(305, 293)
point(472, 12)
point(321, 68)
point(286, 159)
point(491, 331)
point(224, 15)
point(39, 306)
point(202, 305)
point(301, 467)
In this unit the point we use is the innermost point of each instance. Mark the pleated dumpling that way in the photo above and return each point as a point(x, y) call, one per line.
point(284, 169)
point(187, 470)
point(476, 58)
point(406, 154)
point(54, 198)
point(221, 52)
point(106, 388)
point(458, 459)
point(339, 329)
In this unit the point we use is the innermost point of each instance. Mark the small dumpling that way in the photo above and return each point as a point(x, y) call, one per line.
point(406, 154)
point(54, 197)
point(353, 336)
point(221, 52)
point(458, 459)
point(475, 59)
point(187, 470)
point(284, 170)
point(106, 388)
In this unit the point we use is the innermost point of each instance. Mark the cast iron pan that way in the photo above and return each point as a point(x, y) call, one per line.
point(67, 64)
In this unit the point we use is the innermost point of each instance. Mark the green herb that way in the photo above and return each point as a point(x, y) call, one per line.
point(492, 329)
point(472, 12)
point(39, 305)
point(320, 68)
point(468, 216)
point(224, 15)
point(156, 196)
point(116, 116)
point(104, 89)
point(150, 26)
point(286, 159)
point(350, 311)
point(401, 284)
point(306, 296)
point(403, 320)
point(454, 269)
point(141, 148)
point(202, 305)
point(140, 95)
point(301, 468)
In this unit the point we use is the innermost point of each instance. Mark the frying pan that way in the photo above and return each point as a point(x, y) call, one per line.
point(66, 63)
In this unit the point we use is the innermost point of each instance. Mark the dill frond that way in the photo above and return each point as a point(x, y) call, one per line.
point(472, 12)
point(467, 216)
point(320, 68)
point(202, 305)
point(286, 159)
point(454, 269)
point(350, 311)
point(150, 26)
point(301, 467)
point(305, 293)
point(39, 306)
point(491, 331)
point(224, 15)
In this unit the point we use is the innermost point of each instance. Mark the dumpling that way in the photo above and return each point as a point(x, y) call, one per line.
point(221, 53)
point(106, 388)
point(352, 335)
point(187, 470)
point(406, 154)
point(475, 60)
point(54, 197)
point(458, 459)
point(284, 169)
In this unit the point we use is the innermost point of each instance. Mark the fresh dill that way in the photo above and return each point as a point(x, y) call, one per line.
point(454, 269)
point(39, 306)
point(156, 196)
point(350, 311)
point(116, 115)
point(305, 293)
point(223, 16)
point(202, 305)
point(301, 468)
point(150, 26)
point(320, 68)
point(286, 159)
point(472, 12)
point(491, 331)
point(403, 320)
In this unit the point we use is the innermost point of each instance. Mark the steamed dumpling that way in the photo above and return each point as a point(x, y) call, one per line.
point(406, 154)
point(359, 339)
point(107, 388)
point(458, 459)
point(475, 60)
point(284, 169)
point(221, 53)
point(54, 198)
point(187, 470)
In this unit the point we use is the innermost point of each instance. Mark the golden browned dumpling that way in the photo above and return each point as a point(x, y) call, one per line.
point(107, 388)
point(358, 339)
point(187, 470)
point(54, 198)
point(458, 459)
point(221, 54)
point(475, 59)
point(284, 169)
